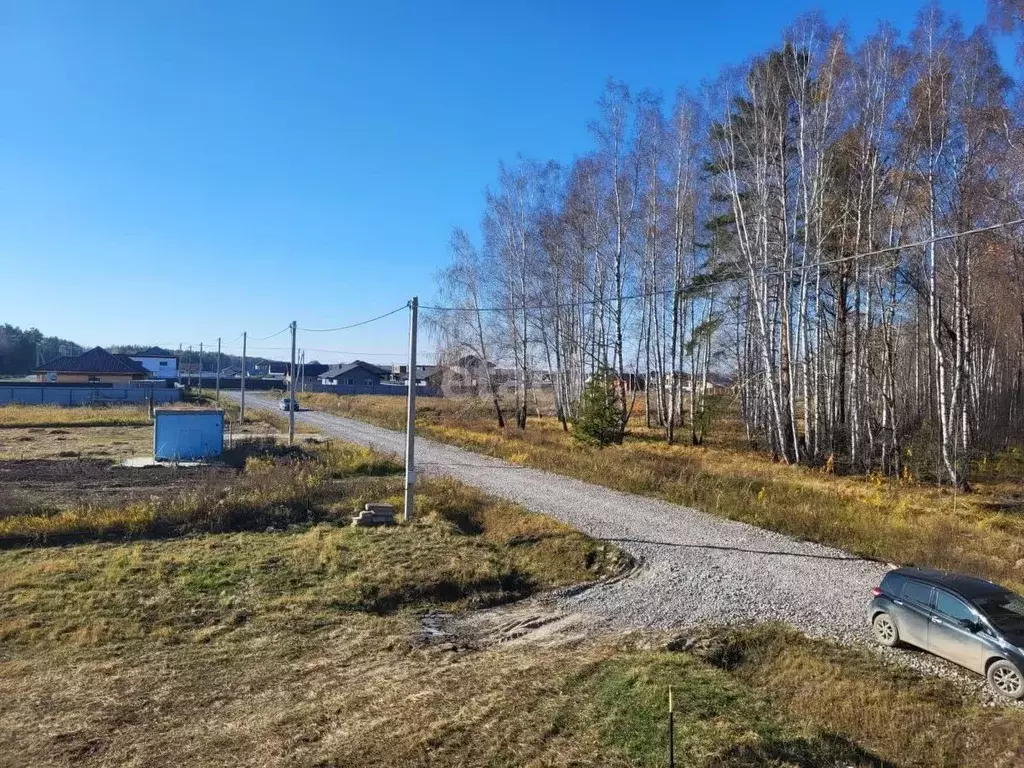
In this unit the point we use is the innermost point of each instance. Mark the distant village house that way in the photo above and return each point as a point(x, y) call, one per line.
point(97, 366)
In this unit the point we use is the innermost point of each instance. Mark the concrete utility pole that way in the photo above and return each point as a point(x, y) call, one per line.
point(410, 416)
point(199, 369)
point(241, 410)
point(291, 407)
point(218, 370)
point(189, 370)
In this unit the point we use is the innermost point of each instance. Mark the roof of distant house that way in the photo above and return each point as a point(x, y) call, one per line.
point(313, 369)
point(341, 370)
point(469, 361)
point(96, 360)
point(154, 352)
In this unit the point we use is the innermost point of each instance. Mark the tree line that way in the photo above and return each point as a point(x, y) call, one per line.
point(831, 224)
point(22, 351)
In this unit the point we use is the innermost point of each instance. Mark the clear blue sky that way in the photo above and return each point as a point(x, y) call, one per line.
point(177, 171)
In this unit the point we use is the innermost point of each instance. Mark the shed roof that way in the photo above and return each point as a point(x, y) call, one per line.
point(190, 411)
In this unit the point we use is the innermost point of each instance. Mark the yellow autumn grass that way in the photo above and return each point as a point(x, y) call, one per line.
point(86, 415)
point(897, 520)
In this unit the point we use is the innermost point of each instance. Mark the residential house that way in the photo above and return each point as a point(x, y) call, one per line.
point(400, 373)
point(356, 373)
point(312, 370)
point(714, 385)
point(468, 375)
point(97, 366)
point(160, 363)
point(272, 370)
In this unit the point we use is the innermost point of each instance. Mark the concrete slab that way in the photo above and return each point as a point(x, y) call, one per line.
point(149, 461)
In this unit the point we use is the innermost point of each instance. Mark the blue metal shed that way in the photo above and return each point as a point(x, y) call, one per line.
point(181, 434)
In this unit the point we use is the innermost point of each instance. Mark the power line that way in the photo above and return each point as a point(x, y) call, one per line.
point(738, 278)
point(340, 351)
point(354, 325)
point(264, 338)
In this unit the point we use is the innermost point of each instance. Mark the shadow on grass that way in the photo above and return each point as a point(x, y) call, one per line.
point(734, 549)
point(482, 592)
point(824, 749)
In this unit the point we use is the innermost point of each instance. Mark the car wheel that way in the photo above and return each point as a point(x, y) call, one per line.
point(884, 629)
point(1005, 679)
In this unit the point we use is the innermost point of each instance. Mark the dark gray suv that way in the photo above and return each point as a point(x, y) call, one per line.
point(972, 622)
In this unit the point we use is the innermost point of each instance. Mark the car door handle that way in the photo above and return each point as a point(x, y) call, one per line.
point(898, 602)
point(936, 620)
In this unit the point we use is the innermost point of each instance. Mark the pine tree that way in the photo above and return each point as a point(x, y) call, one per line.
point(600, 416)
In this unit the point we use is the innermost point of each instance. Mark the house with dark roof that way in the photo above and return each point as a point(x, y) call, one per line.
point(356, 373)
point(313, 370)
point(97, 366)
point(160, 363)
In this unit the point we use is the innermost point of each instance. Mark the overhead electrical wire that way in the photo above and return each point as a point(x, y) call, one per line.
point(354, 325)
point(727, 281)
point(264, 338)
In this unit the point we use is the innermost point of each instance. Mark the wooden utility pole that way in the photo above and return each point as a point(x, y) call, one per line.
point(218, 369)
point(241, 410)
point(291, 405)
point(410, 416)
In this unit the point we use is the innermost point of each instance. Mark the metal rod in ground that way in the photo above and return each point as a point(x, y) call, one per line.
point(671, 731)
point(241, 409)
point(410, 416)
point(291, 404)
point(199, 369)
point(218, 369)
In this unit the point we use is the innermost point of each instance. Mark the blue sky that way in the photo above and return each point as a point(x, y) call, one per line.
point(171, 172)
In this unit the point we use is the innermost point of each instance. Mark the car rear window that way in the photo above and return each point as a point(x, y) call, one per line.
point(892, 584)
point(916, 592)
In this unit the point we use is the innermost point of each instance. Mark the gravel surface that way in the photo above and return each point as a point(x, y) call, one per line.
point(694, 568)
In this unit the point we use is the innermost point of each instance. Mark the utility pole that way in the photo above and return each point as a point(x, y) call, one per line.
point(178, 367)
point(241, 412)
point(410, 416)
point(218, 370)
point(291, 407)
point(189, 370)
point(199, 369)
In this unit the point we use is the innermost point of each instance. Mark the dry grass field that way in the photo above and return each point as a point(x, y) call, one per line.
point(107, 432)
point(902, 521)
point(230, 616)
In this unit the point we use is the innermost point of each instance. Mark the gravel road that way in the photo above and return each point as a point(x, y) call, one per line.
point(696, 568)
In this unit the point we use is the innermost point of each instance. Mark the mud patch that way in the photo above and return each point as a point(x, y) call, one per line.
point(37, 484)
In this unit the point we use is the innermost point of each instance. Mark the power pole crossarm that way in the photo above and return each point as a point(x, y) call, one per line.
point(410, 416)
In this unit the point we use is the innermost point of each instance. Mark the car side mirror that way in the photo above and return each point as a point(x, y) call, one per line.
point(970, 625)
